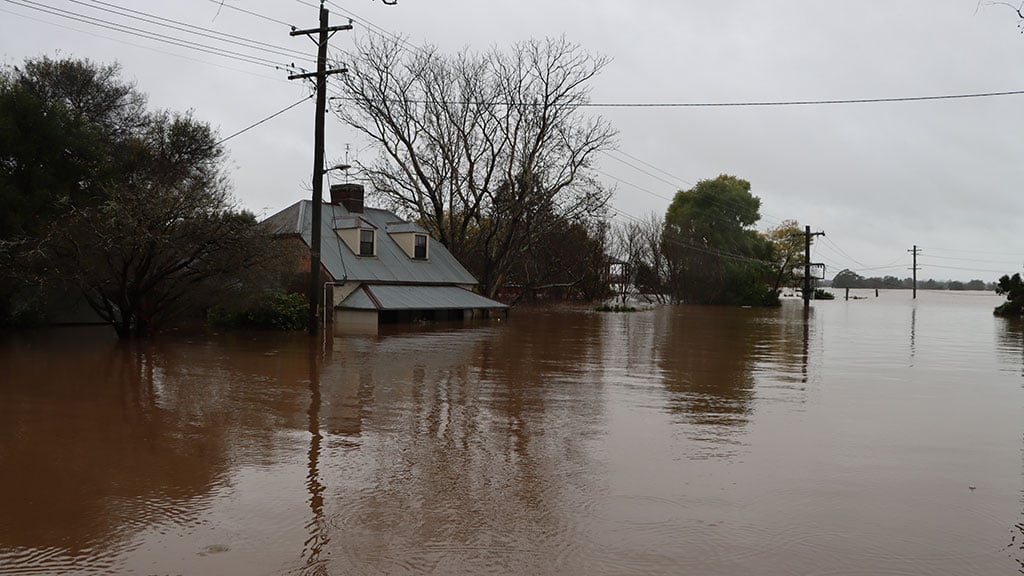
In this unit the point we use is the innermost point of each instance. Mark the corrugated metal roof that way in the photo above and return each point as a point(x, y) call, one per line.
point(404, 227)
point(391, 264)
point(398, 297)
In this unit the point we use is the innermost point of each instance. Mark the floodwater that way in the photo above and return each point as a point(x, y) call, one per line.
point(872, 436)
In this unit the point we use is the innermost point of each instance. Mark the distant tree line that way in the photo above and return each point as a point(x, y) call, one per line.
point(850, 279)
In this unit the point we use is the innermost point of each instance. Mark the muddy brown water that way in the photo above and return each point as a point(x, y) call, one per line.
point(875, 436)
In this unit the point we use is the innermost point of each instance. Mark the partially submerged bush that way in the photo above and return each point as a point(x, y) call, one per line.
point(267, 312)
point(615, 308)
point(820, 294)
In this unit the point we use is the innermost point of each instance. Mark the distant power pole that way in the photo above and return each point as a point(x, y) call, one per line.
point(915, 251)
point(318, 156)
point(807, 263)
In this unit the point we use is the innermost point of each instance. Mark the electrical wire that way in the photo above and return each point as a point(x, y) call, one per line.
point(1014, 262)
point(841, 251)
point(142, 46)
point(959, 268)
point(224, 4)
point(189, 28)
point(930, 249)
point(778, 103)
point(378, 30)
point(255, 124)
point(99, 22)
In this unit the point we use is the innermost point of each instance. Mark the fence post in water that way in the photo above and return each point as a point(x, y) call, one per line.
point(847, 292)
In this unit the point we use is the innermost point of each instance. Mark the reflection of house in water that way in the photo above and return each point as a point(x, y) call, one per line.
point(380, 268)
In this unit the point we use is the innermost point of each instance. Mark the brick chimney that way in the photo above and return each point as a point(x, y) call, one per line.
point(348, 195)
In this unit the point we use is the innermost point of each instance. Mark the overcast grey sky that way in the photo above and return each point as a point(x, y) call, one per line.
point(877, 177)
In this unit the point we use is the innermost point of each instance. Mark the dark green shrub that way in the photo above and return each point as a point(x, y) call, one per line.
point(267, 312)
point(615, 308)
point(820, 294)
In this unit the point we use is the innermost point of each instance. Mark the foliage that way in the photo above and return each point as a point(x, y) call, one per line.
point(820, 294)
point(615, 308)
point(268, 312)
point(490, 152)
point(1013, 288)
point(789, 253)
point(134, 212)
point(571, 256)
point(713, 254)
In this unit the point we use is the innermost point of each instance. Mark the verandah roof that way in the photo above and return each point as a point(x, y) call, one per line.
point(402, 297)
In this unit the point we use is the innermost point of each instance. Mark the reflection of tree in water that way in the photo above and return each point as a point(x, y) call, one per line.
point(709, 355)
point(706, 357)
point(92, 442)
point(1010, 349)
point(1010, 345)
point(101, 440)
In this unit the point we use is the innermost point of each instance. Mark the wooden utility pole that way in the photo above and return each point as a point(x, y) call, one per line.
point(807, 263)
point(915, 251)
point(318, 156)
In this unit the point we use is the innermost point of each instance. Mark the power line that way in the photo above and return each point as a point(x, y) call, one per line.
point(189, 28)
point(801, 102)
point(140, 46)
point(762, 104)
point(380, 31)
point(224, 4)
point(973, 259)
point(255, 124)
point(976, 251)
point(841, 251)
point(967, 269)
point(247, 58)
point(677, 241)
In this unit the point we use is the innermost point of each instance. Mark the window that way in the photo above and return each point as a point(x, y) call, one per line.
point(421, 247)
point(366, 243)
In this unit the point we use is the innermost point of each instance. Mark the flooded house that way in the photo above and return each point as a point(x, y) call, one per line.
point(379, 268)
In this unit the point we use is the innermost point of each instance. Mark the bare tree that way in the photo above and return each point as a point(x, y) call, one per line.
point(638, 246)
point(487, 151)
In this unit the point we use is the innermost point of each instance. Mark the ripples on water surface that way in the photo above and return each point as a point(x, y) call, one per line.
point(844, 440)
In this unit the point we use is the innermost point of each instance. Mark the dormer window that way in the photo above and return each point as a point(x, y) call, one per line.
point(421, 247)
point(366, 243)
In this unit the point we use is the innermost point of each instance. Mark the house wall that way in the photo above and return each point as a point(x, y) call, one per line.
point(355, 322)
point(407, 242)
point(338, 292)
point(350, 236)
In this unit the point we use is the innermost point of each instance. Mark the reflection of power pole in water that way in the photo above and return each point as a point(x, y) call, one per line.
point(913, 330)
point(807, 263)
point(806, 347)
point(316, 526)
point(915, 251)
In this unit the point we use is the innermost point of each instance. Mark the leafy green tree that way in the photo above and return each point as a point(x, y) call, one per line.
point(59, 123)
point(135, 212)
point(789, 253)
point(715, 256)
point(1013, 288)
point(848, 279)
